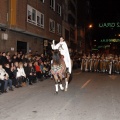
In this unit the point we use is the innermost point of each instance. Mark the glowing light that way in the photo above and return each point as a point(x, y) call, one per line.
point(90, 26)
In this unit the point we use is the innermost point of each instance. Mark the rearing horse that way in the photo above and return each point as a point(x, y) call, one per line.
point(59, 71)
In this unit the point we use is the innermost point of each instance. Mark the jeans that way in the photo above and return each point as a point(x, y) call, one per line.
point(9, 81)
point(2, 82)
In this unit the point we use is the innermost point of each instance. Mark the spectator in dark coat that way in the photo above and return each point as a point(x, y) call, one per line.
point(32, 73)
point(9, 71)
point(3, 59)
point(14, 59)
point(2, 84)
point(19, 58)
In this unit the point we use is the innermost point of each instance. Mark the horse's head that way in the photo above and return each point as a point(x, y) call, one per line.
point(56, 57)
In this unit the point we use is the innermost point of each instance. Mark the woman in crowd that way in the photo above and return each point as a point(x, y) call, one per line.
point(39, 73)
point(21, 76)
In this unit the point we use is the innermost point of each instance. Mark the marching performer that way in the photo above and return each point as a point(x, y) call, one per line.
point(63, 48)
point(110, 65)
point(119, 64)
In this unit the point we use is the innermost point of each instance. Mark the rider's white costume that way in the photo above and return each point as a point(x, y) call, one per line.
point(62, 46)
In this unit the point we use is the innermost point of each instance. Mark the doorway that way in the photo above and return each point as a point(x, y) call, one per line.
point(22, 46)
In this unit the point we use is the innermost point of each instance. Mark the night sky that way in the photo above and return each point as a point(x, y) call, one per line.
point(105, 10)
point(100, 11)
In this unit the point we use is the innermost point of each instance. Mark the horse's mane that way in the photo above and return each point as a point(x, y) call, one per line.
point(56, 57)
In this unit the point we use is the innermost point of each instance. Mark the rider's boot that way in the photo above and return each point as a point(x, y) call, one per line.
point(67, 69)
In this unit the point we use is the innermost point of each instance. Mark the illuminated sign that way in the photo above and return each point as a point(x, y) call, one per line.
point(109, 25)
point(105, 46)
point(110, 40)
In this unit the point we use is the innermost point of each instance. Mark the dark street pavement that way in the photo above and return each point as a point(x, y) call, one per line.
point(91, 96)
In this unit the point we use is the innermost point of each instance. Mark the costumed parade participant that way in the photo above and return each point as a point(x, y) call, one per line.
point(63, 48)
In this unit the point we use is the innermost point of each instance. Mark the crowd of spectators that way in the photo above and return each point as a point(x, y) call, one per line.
point(19, 69)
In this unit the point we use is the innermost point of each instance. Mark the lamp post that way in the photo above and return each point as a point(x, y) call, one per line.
point(88, 37)
point(90, 33)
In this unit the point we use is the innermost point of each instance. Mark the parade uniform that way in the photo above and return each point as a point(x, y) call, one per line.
point(83, 63)
point(62, 46)
point(106, 64)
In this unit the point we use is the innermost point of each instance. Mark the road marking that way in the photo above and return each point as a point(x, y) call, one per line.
point(84, 85)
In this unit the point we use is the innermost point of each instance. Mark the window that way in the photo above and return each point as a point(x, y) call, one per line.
point(59, 9)
point(40, 19)
point(59, 29)
point(51, 25)
point(31, 14)
point(35, 17)
point(52, 4)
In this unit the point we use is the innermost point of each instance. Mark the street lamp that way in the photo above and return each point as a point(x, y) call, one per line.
point(89, 35)
point(88, 43)
point(90, 26)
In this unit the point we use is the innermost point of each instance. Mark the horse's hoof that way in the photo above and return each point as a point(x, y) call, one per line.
point(65, 89)
point(56, 92)
point(62, 90)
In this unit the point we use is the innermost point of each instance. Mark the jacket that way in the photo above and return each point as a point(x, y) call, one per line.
point(3, 73)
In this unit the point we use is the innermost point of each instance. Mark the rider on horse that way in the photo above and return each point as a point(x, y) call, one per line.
point(63, 48)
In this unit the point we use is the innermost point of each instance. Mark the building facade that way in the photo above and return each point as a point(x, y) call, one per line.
point(84, 21)
point(26, 24)
point(69, 22)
